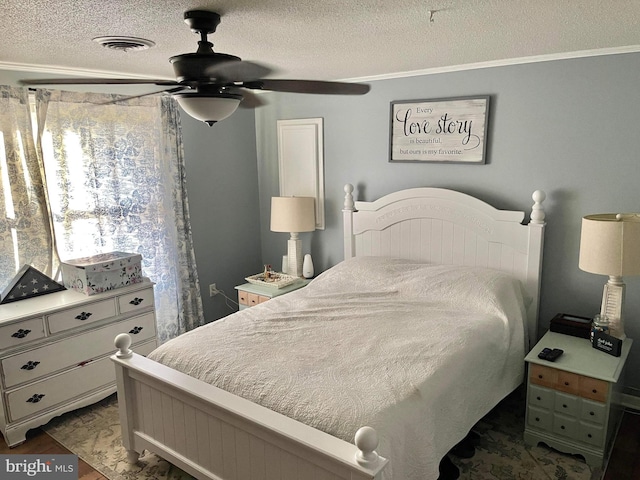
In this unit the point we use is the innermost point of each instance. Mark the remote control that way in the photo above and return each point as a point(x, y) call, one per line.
point(543, 354)
point(555, 353)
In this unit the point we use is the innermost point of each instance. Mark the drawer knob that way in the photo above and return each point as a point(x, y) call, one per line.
point(537, 419)
point(594, 390)
point(30, 365)
point(539, 375)
point(592, 413)
point(136, 330)
point(21, 333)
point(566, 384)
point(136, 301)
point(564, 405)
point(35, 398)
point(538, 398)
point(562, 427)
point(589, 435)
point(83, 316)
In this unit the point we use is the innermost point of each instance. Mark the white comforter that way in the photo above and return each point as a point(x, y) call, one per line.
point(418, 352)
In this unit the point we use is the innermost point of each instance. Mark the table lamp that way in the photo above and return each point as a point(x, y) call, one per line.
point(610, 245)
point(293, 215)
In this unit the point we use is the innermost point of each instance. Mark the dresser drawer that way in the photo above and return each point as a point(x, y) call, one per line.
point(593, 389)
point(567, 404)
point(19, 333)
point(75, 350)
point(540, 418)
point(541, 375)
point(57, 389)
point(135, 301)
point(591, 434)
point(541, 397)
point(565, 426)
point(568, 382)
point(82, 315)
point(243, 297)
point(593, 412)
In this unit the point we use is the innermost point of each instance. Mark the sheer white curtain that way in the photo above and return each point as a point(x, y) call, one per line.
point(25, 231)
point(116, 182)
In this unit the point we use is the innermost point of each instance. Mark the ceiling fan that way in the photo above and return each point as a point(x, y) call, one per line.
point(209, 86)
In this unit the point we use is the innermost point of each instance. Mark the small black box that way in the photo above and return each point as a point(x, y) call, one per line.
point(607, 343)
point(573, 325)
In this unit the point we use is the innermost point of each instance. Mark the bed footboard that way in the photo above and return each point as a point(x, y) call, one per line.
point(213, 434)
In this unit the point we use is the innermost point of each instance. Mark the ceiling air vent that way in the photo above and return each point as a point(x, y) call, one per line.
point(124, 44)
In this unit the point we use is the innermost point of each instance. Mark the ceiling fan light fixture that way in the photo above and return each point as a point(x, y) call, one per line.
point(209, 107)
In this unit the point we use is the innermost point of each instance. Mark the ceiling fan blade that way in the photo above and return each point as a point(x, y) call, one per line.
point(309, 86)
point(125, 99)
point(237, 71)
point(97, 81)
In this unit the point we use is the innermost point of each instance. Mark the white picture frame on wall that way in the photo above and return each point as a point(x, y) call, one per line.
point(301, 161)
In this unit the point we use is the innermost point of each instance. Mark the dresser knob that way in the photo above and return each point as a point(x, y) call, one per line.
point(592, 413)
point(564, 406)
point(35, 398)
point(589, 435)
point(30, 365)
point(83, 316)
point(538, 398)
point(566, 384)
point(594, 390)
point(136, 301)
point(136, 330)
point(537, 419)
point(562, 427)
point(539, 376)
point(21, 333)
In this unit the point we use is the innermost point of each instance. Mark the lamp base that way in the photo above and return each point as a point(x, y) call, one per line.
point(612, 301)
point(294, 256)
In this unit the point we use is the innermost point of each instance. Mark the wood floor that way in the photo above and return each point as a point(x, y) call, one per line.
point(623, 465)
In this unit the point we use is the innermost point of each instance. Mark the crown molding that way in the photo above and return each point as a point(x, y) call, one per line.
point(73, 72)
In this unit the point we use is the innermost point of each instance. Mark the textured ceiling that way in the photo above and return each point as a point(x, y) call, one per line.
point(311, 39)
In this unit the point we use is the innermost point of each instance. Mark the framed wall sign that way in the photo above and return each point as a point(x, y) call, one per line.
point(445, 130)
point(301, 161)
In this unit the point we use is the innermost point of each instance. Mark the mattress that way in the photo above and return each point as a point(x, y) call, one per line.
point(419, 352)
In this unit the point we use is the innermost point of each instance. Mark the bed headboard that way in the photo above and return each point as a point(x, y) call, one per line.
point(446, 227)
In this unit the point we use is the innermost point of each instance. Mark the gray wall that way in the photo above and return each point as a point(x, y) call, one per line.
point(568, 127)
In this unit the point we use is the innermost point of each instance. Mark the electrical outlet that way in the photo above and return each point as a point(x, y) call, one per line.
point(213, 290)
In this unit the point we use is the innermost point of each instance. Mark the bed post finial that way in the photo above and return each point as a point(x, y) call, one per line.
point(122, 343)
point(537, 212)
point(348, 197)
point(366, 440)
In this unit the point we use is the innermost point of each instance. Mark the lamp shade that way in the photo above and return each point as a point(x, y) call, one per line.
point(293, 214)
point(610, 244)
point(208, 107)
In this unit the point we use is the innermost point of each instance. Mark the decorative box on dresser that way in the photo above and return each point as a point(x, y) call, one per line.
point(573, 404)
point(55, 348)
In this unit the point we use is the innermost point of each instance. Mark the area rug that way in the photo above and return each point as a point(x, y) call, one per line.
point(93, 433)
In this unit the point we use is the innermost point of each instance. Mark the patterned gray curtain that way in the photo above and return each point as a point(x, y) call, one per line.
point(116, 182)
point(25, 231)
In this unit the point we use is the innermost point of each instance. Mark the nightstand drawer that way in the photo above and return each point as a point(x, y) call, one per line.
point(594, 389)
point(541, 397)
point(567, 404)
point(568, 382)
point(541, 375)
point(593, 411)
point(243, 297)
point(21, 332)
point(591, 434)
point(80, 316)
point(540, 418)
point(565, 426)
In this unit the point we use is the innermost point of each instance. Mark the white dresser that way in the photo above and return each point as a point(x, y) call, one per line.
point(55, 348)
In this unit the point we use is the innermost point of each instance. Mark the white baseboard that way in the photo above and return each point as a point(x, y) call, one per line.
point(631, 401)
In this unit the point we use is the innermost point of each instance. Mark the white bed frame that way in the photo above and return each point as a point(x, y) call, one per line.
point(215, 435)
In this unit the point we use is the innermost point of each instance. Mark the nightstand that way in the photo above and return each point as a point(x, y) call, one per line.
point(250, 294)
point(573, 404)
